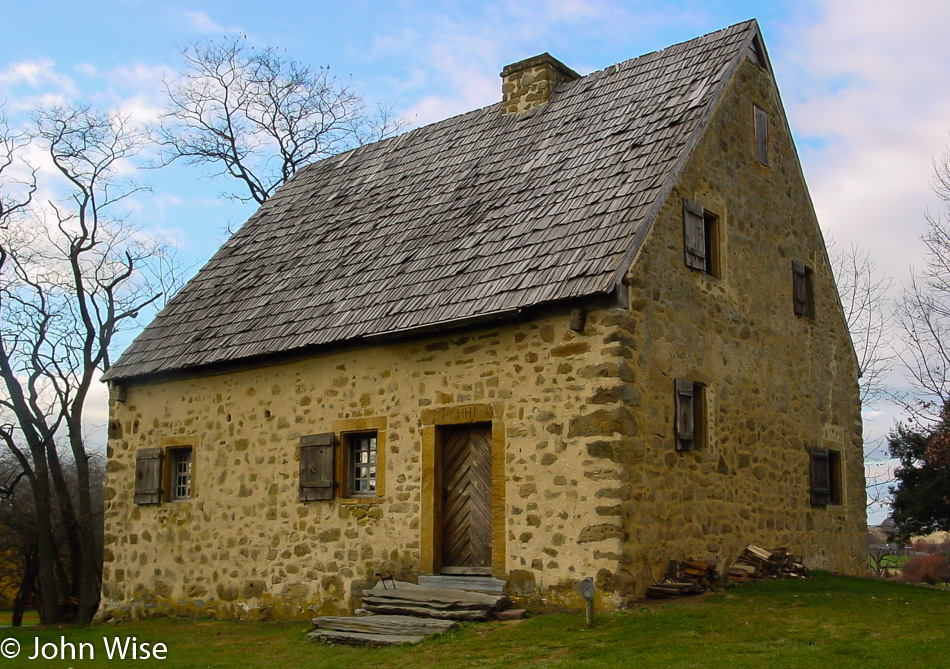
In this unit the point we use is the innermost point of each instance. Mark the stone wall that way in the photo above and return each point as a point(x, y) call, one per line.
point(244, 546)
point(776, 384)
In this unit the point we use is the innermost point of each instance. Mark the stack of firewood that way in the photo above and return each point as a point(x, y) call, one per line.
point(689, 577)
point(756, 563)
point(693, 577)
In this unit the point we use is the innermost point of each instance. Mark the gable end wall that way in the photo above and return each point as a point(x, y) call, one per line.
point(776, 384)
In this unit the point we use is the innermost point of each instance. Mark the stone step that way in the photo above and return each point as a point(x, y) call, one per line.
point(397, 597)
point(361, 639)
point(471, 583)
point(395, 625)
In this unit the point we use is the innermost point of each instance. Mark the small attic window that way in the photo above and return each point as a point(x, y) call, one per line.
point(761, 118)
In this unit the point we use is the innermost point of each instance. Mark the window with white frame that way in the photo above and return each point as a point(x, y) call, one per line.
point(180, 474)
point(361, 464)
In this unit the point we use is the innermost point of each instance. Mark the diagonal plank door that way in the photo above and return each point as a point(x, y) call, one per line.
point(466, 498)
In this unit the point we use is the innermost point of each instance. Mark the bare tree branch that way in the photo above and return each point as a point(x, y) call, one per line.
point(73, 273)
point(863, 291)
point(258, 117)
point(923, 314)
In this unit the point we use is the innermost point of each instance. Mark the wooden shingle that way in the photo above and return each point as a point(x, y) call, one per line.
point(477, 214)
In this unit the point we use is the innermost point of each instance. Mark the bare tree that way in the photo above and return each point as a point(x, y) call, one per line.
point(923, 314)
point(863, 291)
point(17, 191)
point(258, 117)
point(73, 272)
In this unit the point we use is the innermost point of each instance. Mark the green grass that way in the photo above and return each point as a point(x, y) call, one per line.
point(29, 618)
point(827, 621)
point(894, 561)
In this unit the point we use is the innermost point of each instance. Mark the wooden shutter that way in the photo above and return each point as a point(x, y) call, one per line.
point(316, 466)
point(148, 476)
point(694, 235)
point(761, 135)
point(800, 287)
point(820, 477)
point(685, 428)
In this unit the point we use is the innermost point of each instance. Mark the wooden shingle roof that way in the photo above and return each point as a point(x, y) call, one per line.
point(475, 215)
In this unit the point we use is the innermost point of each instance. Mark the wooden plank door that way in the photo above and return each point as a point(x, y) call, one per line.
point(466, 499)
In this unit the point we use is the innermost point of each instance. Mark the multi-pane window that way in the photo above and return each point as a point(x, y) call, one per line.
point(362, 465)
point(344, 467)
point(180, 484)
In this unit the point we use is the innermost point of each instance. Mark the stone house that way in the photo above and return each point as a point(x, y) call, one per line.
point(581, 332)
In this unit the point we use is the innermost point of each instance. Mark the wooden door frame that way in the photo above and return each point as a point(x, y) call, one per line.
point(431, 523)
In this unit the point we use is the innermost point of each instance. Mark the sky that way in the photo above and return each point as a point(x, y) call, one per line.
point(863, 83)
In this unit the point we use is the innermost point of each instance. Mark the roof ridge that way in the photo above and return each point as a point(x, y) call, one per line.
point(489, 214)
point(623, 63)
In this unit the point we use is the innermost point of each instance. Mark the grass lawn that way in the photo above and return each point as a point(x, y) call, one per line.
point(827, 621)
point(894, 561)
point(29, 618)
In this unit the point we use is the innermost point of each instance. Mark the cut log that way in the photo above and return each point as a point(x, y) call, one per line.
point(758, 553)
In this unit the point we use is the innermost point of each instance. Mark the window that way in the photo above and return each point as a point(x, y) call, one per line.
point(826, 485)
point(180, 474)
point(802, 291)
point(701, 238)
point(690, 415)
point(361, 465)
point(352, 461)
point(155, 483)
point(761, 135)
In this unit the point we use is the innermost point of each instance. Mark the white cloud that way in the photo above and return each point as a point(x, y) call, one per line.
point(478, 92)
point(36, 74)
point(203, 23)
point(866, 87)
point(572, 9)
point(87, 69)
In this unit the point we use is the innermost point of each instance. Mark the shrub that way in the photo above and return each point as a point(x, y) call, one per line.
point(932, 568)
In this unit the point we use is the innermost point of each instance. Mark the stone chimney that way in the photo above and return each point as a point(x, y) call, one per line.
point(531, 82)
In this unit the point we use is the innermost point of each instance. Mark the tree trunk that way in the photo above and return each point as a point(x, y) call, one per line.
point(87, 571)
point(45, 552)
point(26, 589)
